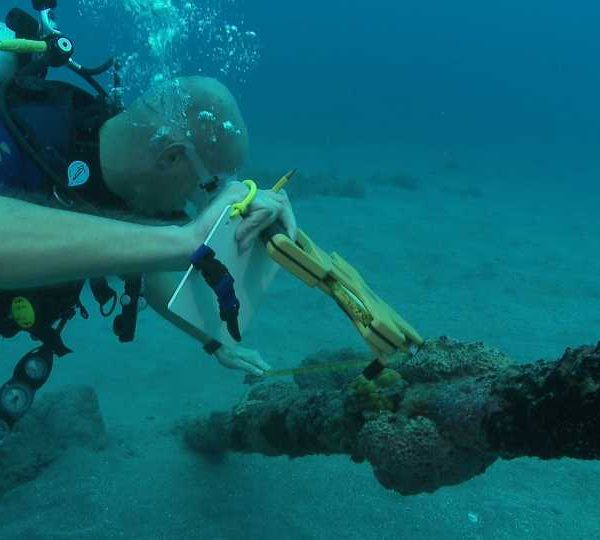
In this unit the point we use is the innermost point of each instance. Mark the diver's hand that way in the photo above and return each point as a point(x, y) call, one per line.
point(199, 229)
point(245, 359)
point(267, 208)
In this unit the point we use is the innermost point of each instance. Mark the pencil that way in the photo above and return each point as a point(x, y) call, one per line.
point(282, 182)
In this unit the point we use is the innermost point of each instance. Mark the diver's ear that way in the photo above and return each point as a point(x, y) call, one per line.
point(171, 156)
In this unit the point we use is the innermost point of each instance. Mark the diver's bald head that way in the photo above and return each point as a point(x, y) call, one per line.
point(142, 149)
point(198, 109)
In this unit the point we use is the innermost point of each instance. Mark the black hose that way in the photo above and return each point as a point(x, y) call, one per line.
point(89, 79)
point(97, 70)
point(41, 5)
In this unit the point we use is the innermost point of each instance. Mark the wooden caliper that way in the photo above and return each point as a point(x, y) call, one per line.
point(384, 330)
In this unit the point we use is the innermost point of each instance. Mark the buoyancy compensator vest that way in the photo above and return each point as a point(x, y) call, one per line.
point(53, 128)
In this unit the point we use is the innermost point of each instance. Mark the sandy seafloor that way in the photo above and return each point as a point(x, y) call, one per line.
point(498, 249)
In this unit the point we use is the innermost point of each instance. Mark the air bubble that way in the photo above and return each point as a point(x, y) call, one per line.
point(157, 40)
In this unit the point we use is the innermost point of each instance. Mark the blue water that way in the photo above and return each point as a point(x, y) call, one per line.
point(508, 74)
point(492, 111)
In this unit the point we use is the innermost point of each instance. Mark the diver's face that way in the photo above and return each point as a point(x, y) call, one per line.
point(170, 192)
point(170, 185)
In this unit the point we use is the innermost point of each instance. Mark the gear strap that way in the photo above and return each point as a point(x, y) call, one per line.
point(219, 279)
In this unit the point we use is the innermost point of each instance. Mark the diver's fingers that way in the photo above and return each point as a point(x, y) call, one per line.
point(250, 223)
point(250, 368)
point(247, 224)
point(255, 359)
point(287, 217)
point(254, 224)
point(284, 197)
point(260, 213)
point(233, 193)
point(249, 238)
point(285, 213)
point(289, 221)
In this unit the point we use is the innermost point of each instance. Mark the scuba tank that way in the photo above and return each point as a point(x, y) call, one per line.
point(8, 60)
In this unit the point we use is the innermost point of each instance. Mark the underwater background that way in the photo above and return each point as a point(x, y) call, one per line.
point(449, 150)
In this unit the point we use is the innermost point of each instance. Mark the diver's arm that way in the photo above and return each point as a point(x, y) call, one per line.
point(159, 288)
point(41, 246)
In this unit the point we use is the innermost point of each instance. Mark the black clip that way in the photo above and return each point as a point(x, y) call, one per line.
point(125, 324)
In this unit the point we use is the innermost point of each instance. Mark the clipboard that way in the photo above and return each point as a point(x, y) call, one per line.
point(253, 271)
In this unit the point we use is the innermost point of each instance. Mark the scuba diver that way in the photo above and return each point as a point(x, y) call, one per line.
point(80, 179)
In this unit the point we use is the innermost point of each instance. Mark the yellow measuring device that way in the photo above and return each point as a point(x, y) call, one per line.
point(342, 365)
point(384, 330)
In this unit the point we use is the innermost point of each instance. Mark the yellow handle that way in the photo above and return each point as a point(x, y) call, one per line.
point(23, 46)
point(239, 209)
